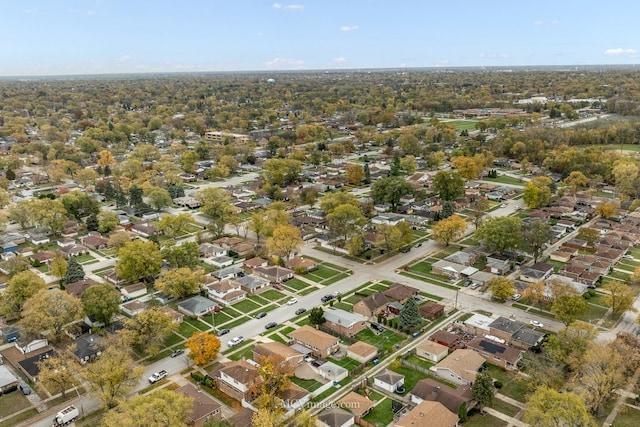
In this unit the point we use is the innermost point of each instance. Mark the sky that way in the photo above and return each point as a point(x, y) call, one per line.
point(68, 37)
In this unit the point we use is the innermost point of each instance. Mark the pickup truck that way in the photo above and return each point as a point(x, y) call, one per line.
point(157, 376)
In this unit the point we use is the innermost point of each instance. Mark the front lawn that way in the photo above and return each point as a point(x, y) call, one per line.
point(386, 339)
point(309, 385)
point(484, 420)
point(381, 415)
point(512, 385)
point(246, 306)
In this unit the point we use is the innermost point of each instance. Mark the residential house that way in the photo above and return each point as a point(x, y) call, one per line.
point(144, 229)
point(220, 261)
point(225, 291)
point(331, 371)
point(207, 250)
point(400, 293)
point(388, 380)
point(133, 291)
point(228, 272)
point(496, 353)
point(290, 355)
point(294, 397)
point(355, 403)
point(536, 273)
point(175, 315)
point(203, 407)
point(301, 265)
point(187, 202)
point(7, 379)
point(371, 305)
point(362, 351)
point(111, 276)
point(274, 273)
point(87, 348)
point(43, 257)
point(387, 219)
point(461, 257)
point(515, 333)
point(77, 288)
point(448, 269)
point(460, 367)
point(432, 414)
point(557, 283)
point(133, 308)
point(320, 343)
point(452, 341)
point(252, 263)
point(237, 379)
point(251, 283)
point(26, 345)
point(94, 241)
point(196, 306)
point(335, 417)
point(477, 324)
point(242, 418)
point(430, 390)
point(431, 310)
point(10, 333)
point(498, 264)
point(432, 351)
point(343, 322)
point(29, 364)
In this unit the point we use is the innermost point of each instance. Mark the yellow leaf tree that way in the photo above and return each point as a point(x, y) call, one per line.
point(204, 347)
point(449, 229)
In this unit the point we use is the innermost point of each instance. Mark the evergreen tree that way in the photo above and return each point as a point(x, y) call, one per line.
point(10, 174)
point(483, 390)
point(409, 316)
point(109, 191)
point(135, 197)
point(367, 173)
point(106, 171)
point(92, 222)
point(121, 198)
point(75, 271)
point(395, 166)
point(447, 210)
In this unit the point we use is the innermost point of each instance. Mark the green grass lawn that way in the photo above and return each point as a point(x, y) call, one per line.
point(594, 312)
point(343, 305)
point(186, 330)
point(411, 377)
point(219, 318)
point(381, 415)
point(272, 295)
point(627, 417)
point(13, 402)
point(197, 324)
point(461, 125)
point(504, 407)
point(234, 323)
point(172, 339)
point(419, 361)
point(14, 421)
point(258, 299)
point(83, 259)
point(506, 180)
point(335, 279)
point(246, 306)
point(383, 340)
point(309, 385)
point(244, 353)
point(484, 420)
point(352, 299)
point(512, 386)
point(296, 284)
point(346, 363)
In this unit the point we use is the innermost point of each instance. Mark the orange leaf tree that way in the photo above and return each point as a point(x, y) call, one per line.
point(204, 347)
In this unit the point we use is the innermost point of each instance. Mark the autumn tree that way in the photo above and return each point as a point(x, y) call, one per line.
point(390, 190)
point(79, 204)
point(618, 296)
point(535, 293)
point(537, 192)
point(478, 209)
point(625, 173)
point(58, 267)
point(501, 288)
point(606, 209)
point(101, 302)
point(285, 241)
point(576, 181)
point(568, 346)
point(186, 254)
point(48, 213)
point(19, 212)
point(338, 198)
point(449, 229)
point(346, 220)
point(148, 330)
point(173, 226)
point(107, 221)
point(449, 185)
point(501, 234)
point(57, 372)
point(535, 236)
point(467, 167)
point(355, 245)
point(354, 173)
point(106, 159)
point(49, 312)
point(138, 259)
point(567, 307)
point(159, 408)
point(216, 206)
point(549, 408)
point(274, 377)
point(118, 240)
point(113, 374)
point(281, 172)
point(179, 282)
point(389, 237)
point(483, 390)
point(204, 347)
point(20, 288)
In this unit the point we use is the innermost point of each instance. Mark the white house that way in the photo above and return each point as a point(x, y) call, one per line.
point(388, 380)
point(432, 351)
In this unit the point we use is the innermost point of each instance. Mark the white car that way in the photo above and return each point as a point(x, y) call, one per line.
point(235, 341)
point(516, 297)
point(627, 256)
point(292, 301)
point(536, 324)
point(503, 205)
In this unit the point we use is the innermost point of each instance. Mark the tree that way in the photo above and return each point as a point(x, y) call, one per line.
point(215, 205)
point(305, 419)
point(501, 234)
point(20, 288)
point(619, 296)
point(174, 225)
point(204, 347)
point(588, 234)
point(501, 288)
point(86, 177)
point(409, 316)
point(284, 241)
point(332, 200)
point(57, 372)
point(185, 255)
point(274, 378)
point(568, 346)
point(606, 209)
point(567, 307)
point(316, 316)
point(467, 167)
point(59, 267)
point(79, 204)
point(74, 272)
point(576, 181)
point(354, 173)
point(389, 237)
point(158, 197)
point(449, 229)
point(138, 259)
point(179, 282)
point(118, 240)
point(49, 312)
point(148, 330)
point(212, 422)
point(449, 185)
point(483, 390)
point(535, 236)
point(355, 245)
point(159, 408)
point(346, 220)
point(113, 374)
point(281, 172)
point(537, 192)
point(48, 213)
point(101, 302)
point(625, 174)
point(479, 208)
point(19, 212)
point(635, 277)
point(535, 293)
point(105, 158)
point(549, 408)
point(390, 190)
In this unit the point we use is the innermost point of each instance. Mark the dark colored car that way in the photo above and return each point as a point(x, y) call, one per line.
point(25, 389)
point(326, 298)
point(405, 249)
point(300, 311)
point(278, 286)
point(177, 352)
point(270, 325)
point(261, 315)
point(222, 332)
point(377, 327)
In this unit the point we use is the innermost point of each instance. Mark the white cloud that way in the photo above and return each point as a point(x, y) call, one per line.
point(349, 28)
point(123, 58)
point(285, 63)
point(621, 52)
point(288, 6)
point(341, 60)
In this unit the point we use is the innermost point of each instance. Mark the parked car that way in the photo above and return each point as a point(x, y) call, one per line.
point(377, 327)
point(417, 245)
point(292, 301)
point(278, 286)
point(300, 311)
point(25, 389)
point(536, 324)
point(177, 352)
point(235, 340)
point(271, 325)
point(516, 297)
point(261, 315)
point(405, 249)
point(222, 332)
point(627, 256)
point(157, 376)
point(326, 298)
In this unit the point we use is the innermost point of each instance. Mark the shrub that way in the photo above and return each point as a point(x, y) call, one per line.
point(497, 384)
